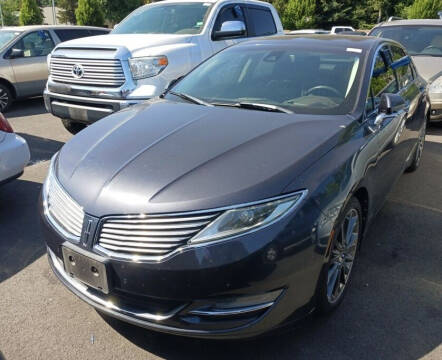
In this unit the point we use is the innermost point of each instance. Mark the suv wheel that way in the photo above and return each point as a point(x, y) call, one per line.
point(6, 98)
point(336, 274)
point(72, 126)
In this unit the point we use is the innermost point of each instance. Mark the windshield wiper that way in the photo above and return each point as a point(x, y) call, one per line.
point(258, 106)
point(190, 98)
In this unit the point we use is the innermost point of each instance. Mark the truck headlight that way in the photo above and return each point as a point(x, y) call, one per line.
point(244, 219)
point(144, 67)
point(436, 86)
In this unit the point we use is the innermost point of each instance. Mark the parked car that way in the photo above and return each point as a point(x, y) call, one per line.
point(359, 33)
point(14, 152)
point(236, 201)
point(308, 31)
point(23, 53)
point(339, 29)
point(423, 41)
point(157, 43)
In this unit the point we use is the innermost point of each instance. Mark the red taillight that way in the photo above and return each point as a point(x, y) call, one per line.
point(5, 125)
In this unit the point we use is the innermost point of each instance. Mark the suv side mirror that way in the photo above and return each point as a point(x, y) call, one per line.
point(16, 53)
point(391, 103)
point(231, 29)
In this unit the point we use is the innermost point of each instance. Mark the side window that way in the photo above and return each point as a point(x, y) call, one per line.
point(229, 13)
point(98, 32)
point(37, 43)
point(382, 81)
point(403, 71)
point(70, 34)
point(261, 21)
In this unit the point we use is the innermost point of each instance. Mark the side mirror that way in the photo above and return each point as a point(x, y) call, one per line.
point(231, 29)
point(391, 103)
point(16, 53)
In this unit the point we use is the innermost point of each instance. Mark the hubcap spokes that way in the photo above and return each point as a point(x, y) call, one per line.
point(3, 99)
point(342, 256)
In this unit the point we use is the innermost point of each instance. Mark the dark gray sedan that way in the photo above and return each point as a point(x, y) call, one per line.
point(237, 201)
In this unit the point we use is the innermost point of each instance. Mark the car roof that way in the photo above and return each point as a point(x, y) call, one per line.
point(215, 1)
point(422, 22)
point(49, 27)
point(317, 41)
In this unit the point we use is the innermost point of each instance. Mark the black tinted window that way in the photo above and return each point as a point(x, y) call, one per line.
point(229, 13)
point(382, 81)
point(261, 22)
point(402, 67)
point(70, 34)
point(98, 32)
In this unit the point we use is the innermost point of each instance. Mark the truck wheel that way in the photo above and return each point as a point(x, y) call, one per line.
point(72, 127)
point(6, 98)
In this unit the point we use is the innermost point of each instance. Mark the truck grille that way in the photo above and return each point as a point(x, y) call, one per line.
point(151, 236)
point(93, 72)
point(63, 211)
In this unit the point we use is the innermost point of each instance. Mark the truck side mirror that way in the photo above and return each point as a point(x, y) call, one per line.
point(16, 53)
point(230, 29)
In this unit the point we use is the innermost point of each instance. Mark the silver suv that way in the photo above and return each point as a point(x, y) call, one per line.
point(23, 52)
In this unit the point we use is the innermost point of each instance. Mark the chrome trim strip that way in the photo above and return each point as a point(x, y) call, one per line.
point(67, 105)
point(158, 258)
point(83, 289)
point(234, 311)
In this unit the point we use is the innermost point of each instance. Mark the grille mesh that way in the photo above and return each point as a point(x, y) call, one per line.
point(150, 235)
point(96, 72)
point(64, 211)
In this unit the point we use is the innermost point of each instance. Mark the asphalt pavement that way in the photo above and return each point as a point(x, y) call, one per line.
point(393, 309)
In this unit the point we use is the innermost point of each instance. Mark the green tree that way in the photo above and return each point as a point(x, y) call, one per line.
point(299, 14)
point(89, 12)
point(66, 14)
point(10, 10)
point(116, 10)
point(424, 9)
point(334, 12)
point(30, 13)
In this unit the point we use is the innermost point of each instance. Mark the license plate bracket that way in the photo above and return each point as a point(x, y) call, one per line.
point(85, 269)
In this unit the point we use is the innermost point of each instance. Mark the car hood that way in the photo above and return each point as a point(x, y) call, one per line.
point(428, 66)
point(167, 157)
point(132, 42)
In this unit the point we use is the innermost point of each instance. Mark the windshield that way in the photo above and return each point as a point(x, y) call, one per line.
point(182, 18)
point(418, 40)
point(300, 80)
point(7, 36)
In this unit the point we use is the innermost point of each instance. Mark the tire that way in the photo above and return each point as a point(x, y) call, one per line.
point(72, 126)
point(336, 274)
point(418, 153)
point(6, 98)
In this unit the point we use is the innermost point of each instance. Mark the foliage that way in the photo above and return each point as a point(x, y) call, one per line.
point(30, 13)
point(299, 14)
point(424, 9)
point(116, 10)
point(10, 9)
point(66, 14)
point(89, 12)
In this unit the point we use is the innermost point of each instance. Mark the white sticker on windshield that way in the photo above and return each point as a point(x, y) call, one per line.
point(355, 50)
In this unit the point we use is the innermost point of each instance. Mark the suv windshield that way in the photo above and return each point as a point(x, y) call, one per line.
point(419, 40)
point(7, 36)
point(300, 80)
point(179, 18)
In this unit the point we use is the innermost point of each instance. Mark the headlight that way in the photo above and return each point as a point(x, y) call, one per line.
point(436, 86)
point(241, 220)
point(145, 67)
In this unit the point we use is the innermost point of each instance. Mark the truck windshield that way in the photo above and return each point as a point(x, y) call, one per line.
point(7, 36)
point(178, 18)
point(418, 40)
point(303, 81)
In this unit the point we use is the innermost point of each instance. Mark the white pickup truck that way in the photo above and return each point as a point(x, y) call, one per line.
point(156, 44)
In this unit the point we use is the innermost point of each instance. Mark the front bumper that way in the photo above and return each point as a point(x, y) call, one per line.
point(14, 157)
point(85, 110)
point(180, 295)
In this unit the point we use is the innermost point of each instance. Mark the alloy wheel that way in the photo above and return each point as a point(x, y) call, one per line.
point(4, 99)
point(343, 255)
point(420, 147)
